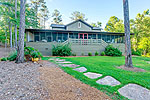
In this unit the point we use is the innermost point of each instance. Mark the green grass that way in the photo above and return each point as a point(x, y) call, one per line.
point(107, 66)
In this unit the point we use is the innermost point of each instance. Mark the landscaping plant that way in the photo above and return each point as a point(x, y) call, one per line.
point(13, 56)
point(96, 53)
point(111, 51)
point(61, 50)
point(103, 53)
point(89, 54)
point(137, 52)
point(3, 59)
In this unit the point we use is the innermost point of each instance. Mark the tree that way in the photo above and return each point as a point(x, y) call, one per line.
point(128, 55)
point(144, 44)
point(114, 24)
point(20, 51)
point(16, 23)
point(98, 24)
point(57, 17)
point(44, 15)
point(140, 27)
point(78, 15)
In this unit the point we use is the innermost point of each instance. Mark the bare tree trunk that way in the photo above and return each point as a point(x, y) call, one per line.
point(128, 55)
point(10, 32)
point(6, 37)
point(20, 50)
point(16, 24)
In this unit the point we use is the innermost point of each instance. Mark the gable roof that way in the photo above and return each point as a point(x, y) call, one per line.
point(80, 21)
point(64, 26)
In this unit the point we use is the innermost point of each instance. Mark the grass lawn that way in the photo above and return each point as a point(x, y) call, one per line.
point(107, 66)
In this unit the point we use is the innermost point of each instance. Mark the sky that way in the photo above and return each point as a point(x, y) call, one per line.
point(96, 10)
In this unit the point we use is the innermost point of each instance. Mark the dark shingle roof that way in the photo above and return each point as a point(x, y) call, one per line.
point(58, 25)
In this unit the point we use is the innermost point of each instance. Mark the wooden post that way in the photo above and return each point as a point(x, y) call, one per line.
point(128, 55)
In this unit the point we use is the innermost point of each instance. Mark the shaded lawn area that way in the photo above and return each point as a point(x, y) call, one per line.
point(107, 66)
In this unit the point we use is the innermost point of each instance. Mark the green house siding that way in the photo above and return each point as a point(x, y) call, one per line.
point(75, 27)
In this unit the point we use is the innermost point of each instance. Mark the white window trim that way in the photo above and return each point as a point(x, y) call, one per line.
point(79, 24)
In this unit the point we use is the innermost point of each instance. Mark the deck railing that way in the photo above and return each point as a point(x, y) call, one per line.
point(87, 41)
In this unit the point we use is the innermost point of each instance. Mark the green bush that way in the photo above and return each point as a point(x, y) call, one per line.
point(137, 52)
point(3, 59)
point(61, 50)
point(111, 51)
point(82, 54)
point(74, 54)
point(13, 56)
point(30, 53)
point(89, 54)
point(96, 53)
point(103, 53)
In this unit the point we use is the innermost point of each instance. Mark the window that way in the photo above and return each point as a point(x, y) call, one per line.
point(79, 25)
point(104, 37)
point(42, 36)
point(65, 36)
point(99, 36)
point(36, 37)
point(49, 37)
point(112, 39)
point(108, 39)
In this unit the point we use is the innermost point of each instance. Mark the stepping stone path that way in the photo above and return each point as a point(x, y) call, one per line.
point(135, 92)
point(51, 59)
point(92, 75)
point(59, 60)
point(108, 80)
point(81, 69)
point(70, 65)
point(65, 62)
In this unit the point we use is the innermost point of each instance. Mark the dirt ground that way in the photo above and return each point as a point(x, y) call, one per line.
point(58, 84)
point(62, 86)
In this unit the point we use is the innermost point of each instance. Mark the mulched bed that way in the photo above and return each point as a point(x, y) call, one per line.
point(62, 86)
point(134, 69)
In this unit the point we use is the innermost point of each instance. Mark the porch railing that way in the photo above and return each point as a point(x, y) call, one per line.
point(87, 42)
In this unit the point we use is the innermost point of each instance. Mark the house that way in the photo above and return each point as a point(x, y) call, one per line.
point(83, 38)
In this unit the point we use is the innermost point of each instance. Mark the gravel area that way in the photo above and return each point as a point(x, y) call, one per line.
point(21, 82)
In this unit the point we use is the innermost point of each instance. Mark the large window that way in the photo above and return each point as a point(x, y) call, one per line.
point(91, 36)
point(49, 36)
point(42, 36)
point(112, 39)
point(36, 37)
point(108, 39)
point(99, 36)
point(65, 36)
point(104, 37)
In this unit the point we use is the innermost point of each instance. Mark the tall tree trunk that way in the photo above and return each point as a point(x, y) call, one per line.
point(128, 55)
point(5, 38)
point(20, 50)
point(10, 32)
point(16, 23)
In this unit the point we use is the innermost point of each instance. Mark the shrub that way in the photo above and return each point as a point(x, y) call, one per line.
point(89, 54)
point(96, 53)
point(3, 59)
point(82, 54)
point(30, 53)
point(61, 50)
point(103, 53)
point(111, 51)
point(137, 52)
point(35, 55)
point(74, 54)
point(12, 57)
